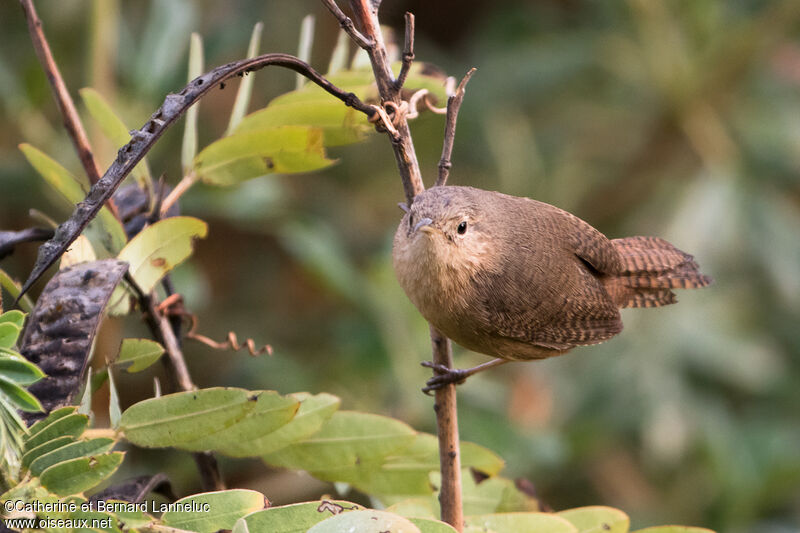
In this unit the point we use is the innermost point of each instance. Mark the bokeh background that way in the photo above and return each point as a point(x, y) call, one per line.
point(679, 119)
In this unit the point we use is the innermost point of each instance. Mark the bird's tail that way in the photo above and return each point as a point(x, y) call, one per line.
point(651, 268)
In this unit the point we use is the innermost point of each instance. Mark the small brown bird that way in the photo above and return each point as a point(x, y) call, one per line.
point(519, 279)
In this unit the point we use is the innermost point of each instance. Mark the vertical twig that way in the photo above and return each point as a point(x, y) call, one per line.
point(66, 106)
point(453, 105)
point(408, 51)
point(369, 37)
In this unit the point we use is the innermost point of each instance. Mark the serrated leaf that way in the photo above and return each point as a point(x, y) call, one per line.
point(70, 425)
point(157, 249)
point(313, 411)
point(115, 129)
point(296, 518)
point(44, 448)
point(81, 448)
point(242, 156)
point(213, 511)
point(516, 522)
point(110, 231)
point(9, 332)
point(366, 521)
point(22, 399)
point(597, 519)
point(138, 354)
point(346, 439)
point(77, 475)
point(20, 371)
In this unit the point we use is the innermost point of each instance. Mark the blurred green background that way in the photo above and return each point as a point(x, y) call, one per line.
point(679, 119)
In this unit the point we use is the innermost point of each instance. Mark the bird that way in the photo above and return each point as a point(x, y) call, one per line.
point(519, 279)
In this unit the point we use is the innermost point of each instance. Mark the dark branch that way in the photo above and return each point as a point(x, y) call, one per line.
point(142, 141)
point(408, 52)
point(347, 25)
point(10, 239)
point(453, 105)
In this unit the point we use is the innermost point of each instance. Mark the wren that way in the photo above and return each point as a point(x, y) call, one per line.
point(520, 279)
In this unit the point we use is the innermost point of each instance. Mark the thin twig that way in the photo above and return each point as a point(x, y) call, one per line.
point(408, 52)
point(66, 106)
point(186, 182)
point(453, 105)
point(347, 25)
point(142, 140)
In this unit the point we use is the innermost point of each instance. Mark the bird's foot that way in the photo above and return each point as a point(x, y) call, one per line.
point(444, 376)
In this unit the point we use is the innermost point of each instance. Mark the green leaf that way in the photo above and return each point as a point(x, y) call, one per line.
point(14, 316)
point(270, 412)
point(366, 521)
point(418, 507)
point(674, 529)
point(242, 101)
point(242, 156)
point(18, 396)
point(429, 525)
point(346, 439)
point(70, 425)
point(114, 412)
point(597, 519)
point(207, 417)
point(85, 407)
point(8, 334)
point(44, 448)
point(493, 495)
point(13, 289)
point(81, 448)
point(212, 511)
point(157, 249)
point(314, 410)
point(115, 129)
point(20, 371)
point(138, 354)
point(77, 475)
point(110, 232)
point(61, 412)
point(296, 518)
point(189, 148)
point(406, 472)
point(516, 522)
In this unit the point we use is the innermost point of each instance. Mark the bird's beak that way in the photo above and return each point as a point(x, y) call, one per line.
point(424, 224)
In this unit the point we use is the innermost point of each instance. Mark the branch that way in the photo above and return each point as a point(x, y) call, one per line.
point(408, 52)
point(66, 106)
point(142, 141)
point(366, 17)
point(453, 105)
point(347, 25)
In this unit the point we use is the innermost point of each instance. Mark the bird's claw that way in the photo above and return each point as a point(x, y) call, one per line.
point(444, 376)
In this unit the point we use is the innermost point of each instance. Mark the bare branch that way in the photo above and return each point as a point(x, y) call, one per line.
point(347, 25)
point(142, 141)
point(453, 104)
point(66, 106)
point(408, 52)
point(444, 405)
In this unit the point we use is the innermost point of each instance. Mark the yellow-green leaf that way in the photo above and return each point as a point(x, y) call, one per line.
point(516, 522)
point(157, 249)
point(213, 511)
point(296, 518)
point(366, 521)
point(597, 519)
point(78, 475)
point(246, 155)
point(138, 354)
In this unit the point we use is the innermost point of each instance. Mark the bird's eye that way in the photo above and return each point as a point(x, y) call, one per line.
point(462, 228)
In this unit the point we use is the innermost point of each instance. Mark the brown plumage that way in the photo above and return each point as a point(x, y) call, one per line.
point(520, 279)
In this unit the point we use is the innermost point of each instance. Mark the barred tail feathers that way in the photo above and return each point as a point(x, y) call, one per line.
point(651, 268)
